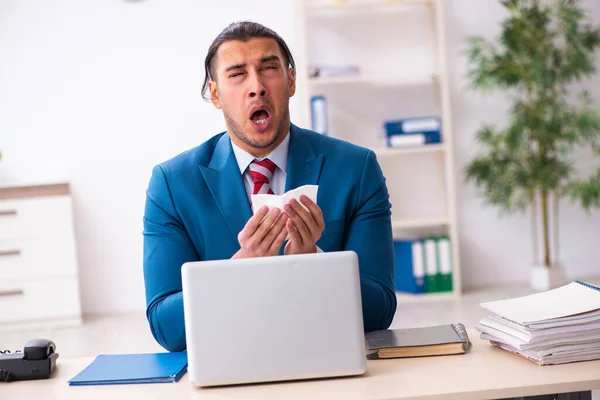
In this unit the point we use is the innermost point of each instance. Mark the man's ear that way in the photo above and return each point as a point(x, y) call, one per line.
point(214, 94)
point(292, 81)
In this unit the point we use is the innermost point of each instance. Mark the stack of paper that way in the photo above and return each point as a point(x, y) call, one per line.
point(554, 327)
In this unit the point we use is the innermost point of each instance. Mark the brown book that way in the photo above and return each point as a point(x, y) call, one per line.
point(418, 342)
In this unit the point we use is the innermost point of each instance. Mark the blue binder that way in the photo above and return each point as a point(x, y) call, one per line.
point(318, 113)
point(413, 125)
point(406, 139)
point(406, 278)
point(133, 368)
point(413, 131)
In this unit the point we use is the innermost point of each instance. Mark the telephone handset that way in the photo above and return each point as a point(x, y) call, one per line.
point(38, 349)
point(36, 361)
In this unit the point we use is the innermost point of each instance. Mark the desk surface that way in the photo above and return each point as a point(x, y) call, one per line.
point(486, 372)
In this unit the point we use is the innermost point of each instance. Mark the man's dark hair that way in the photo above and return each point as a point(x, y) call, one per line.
point(242, 31)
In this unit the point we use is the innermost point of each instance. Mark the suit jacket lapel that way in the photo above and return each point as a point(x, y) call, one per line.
point(304, 164)
point(223, 178)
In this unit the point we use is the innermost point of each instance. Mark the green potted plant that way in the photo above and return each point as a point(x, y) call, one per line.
point(543, 49)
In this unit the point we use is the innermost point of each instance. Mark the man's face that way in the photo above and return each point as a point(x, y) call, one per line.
point(253, 86)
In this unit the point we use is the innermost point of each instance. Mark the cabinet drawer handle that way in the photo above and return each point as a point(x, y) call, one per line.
point(14, 292)
point(6, 213)
point(8, 253)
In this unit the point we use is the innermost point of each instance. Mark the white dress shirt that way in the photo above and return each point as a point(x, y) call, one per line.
point(279, 156)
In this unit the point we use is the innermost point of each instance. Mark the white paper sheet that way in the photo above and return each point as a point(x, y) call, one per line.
point(271, 200)
point(563, 302)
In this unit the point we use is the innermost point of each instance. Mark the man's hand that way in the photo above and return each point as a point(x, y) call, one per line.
point(262, 236)
point(304, 227)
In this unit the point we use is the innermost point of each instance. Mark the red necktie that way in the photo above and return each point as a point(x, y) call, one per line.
point(262, 172)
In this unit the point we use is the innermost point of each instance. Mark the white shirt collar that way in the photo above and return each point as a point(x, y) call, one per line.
point(279, 156)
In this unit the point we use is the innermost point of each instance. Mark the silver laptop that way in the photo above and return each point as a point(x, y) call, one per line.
point(273, 318)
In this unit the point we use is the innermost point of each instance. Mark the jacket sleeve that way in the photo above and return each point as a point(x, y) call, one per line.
point(370, 236)
point(166, 247)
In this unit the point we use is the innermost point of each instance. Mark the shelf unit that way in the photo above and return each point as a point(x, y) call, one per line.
point(399, 47)
point(431, 297)
point(394, 152)
point(362, 6)
point(431, 222)
point(375, 80)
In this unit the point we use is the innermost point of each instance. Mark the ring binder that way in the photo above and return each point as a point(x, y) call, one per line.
point(589, 286)
point(418, 342)
point(461, 331)
point(319, 119)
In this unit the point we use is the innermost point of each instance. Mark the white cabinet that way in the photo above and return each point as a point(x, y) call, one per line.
point(39, 282)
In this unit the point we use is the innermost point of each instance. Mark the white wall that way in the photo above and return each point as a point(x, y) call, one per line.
point(495, 250)
point(97, 92)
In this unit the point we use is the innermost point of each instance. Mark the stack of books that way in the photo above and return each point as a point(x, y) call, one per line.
point(553, 327)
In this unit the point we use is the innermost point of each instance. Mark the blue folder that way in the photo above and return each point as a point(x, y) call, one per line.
point(133, 368)
point(405, 279)
point(426, 137)
point(413, 125)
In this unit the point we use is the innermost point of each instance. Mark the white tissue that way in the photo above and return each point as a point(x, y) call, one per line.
point(271, 200)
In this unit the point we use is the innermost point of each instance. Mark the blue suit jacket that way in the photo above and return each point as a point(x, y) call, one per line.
point(196, 205)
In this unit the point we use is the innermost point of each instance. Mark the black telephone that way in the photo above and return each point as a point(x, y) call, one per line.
point(37, 361)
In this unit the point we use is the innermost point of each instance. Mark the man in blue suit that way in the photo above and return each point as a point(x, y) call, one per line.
point(198, 203)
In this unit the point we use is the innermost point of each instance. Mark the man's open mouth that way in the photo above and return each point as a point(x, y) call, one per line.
point(261, 118)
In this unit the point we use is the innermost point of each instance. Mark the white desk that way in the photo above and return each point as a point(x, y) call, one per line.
point(486, 372)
